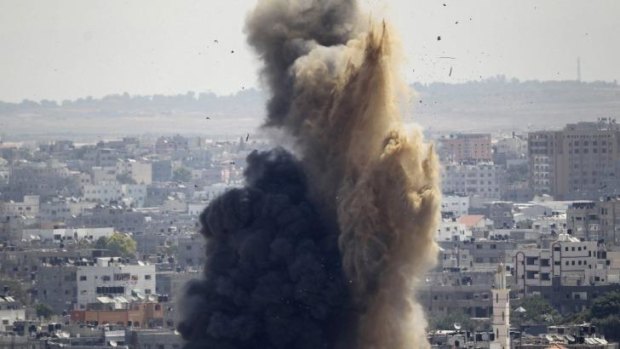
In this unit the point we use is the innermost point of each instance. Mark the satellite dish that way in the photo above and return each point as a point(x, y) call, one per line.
point(457, 326)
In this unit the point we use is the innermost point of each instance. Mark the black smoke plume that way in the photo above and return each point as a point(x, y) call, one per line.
point(273, 278)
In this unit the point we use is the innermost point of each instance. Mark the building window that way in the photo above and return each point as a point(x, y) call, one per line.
point(82, 277)
point(147, 277)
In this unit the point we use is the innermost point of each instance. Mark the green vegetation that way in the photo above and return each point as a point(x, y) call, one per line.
point(43, 311)
point(605, 315)
point(447, 321)
point(537, 311)
point(182, 174)
point(119, 244)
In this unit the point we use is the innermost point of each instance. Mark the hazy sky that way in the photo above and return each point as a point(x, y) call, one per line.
point(64, 49)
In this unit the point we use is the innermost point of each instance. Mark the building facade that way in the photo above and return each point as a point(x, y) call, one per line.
point(110, 277)
point(579, 162)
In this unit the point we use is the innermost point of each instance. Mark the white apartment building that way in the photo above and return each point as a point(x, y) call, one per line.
point(451, 230)
point(110, 277)
point(454, 205)
point(574, 262)
point(482, 180)
point(108, 192)
point(10, 312)
point(105, 192)
point(75, 234)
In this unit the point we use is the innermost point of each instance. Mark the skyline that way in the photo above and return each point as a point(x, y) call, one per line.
point(68, 49)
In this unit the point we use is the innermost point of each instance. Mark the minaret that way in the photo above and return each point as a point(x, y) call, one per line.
point(578, 69)
point(501, 310)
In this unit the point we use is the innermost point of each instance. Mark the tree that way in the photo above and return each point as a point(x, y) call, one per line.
point(182, 174)
point(605, 314)
point(537, 311)
point(118, 244)
point(43, 311)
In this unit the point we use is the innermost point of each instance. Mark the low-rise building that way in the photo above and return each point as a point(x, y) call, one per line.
point(10, 311)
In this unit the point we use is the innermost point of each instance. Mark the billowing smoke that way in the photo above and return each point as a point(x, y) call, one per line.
point(332, 75)
point(273, 278)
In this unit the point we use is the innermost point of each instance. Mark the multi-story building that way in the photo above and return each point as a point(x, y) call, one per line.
point(104, 193)
point(457, 292)
point(484, 180)
point(466, 147)
point(61, 209)
point(582, 161)
point(568, 262)
point(55, 285)
point(122, 219)
point(191, 251)
point(451, 205)
point(111, 277)
point(500, 212)
point(595, 220)
point(66, 234)
point(43, 179)
point(451, 230)
point(140, 172)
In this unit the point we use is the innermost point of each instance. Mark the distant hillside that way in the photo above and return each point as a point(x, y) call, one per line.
point(489, 105)
point(499, 104)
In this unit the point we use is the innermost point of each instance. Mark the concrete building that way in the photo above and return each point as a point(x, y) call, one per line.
point(10, 312)
point(134, 313)
point(582, 161)
point(451, 230)
point(451, 206)
point(483, 180)
point(500, 212)
point(457, 292)
point(61, 209)
point(102, 175)
point(55, 285)
point(104, 192)
point(66, 234)
point(595, 220)
point(122, 219)
point(466, 147)
point(139, 171)
point(155, 339)
point(191, 252)
point(568, 261)
point(28, 207)
point(111, 277)
point(43, 179)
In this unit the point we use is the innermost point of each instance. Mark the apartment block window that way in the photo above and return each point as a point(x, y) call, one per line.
point(82, 277)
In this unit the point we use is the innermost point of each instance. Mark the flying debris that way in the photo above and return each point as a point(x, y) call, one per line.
point(322, 252)
point(438, 38)
point(247, 137)
point(450, 73)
